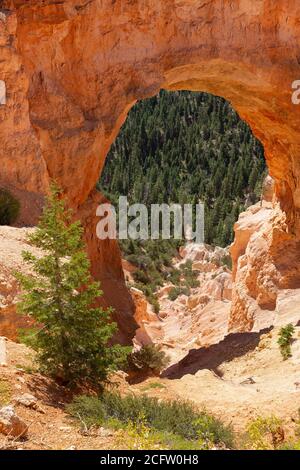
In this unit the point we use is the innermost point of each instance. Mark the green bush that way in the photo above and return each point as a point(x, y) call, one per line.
point(267, 433)
point(183, 279)
point(190, 276)
point(155, 304)
point(28, 335)
point(89, 410)
point(9, 208)
point(149, 290)
point(175, 277)
point(285, 340)
point(148, 358)
point(153, 385)
point(179, 418)
point(141, 276)
point(192, 283)
point(227, 261)
point(175, 292)
point(154, 265)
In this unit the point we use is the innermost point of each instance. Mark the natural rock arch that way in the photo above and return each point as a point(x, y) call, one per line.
point(73, 69)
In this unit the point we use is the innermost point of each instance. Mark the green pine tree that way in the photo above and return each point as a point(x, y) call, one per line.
point(73, 334)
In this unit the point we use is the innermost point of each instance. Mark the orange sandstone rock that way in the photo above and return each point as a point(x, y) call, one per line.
point(73, 69)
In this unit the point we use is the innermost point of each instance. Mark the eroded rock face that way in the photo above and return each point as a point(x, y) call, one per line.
point(149, 327)
point(198, 320)
point(73, 69)
point(266, 268)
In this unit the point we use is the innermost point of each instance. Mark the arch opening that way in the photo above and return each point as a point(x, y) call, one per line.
point(178, 148)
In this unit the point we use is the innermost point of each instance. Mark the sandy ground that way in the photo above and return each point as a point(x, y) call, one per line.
point(258, 383)
point(238, 380)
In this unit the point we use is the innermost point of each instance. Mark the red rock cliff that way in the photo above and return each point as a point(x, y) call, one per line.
point(74, 68)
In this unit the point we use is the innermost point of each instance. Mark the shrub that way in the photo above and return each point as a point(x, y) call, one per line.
point(148, 358)
point(175, 277)
point(141, 276)
point(265, 433)
point(175, 292)
point(183, 279)
point(155, 303)
point(27, 335)
point(192, 283)
point(227, 261)
point(27, 368)
point(298, 424)
point(154, 385)
point(148, 291)
point(290, 445)
point(181, 419)
point(285, 340)
point(88, 410)
point(9, 208)
point(138, 436)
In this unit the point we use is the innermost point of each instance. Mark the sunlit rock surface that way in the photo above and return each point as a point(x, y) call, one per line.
point(73, 69)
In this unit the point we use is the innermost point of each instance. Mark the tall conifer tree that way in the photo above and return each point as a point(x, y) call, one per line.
point(73, 334)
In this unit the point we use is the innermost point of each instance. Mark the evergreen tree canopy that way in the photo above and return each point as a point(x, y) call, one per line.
point(182, 147)
point(73, 334)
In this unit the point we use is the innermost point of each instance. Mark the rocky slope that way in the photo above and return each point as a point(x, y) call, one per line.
point(254, 384)
point(250, 298)
point(242, 378)
point(237, 376)
point(73, 69)
point(199, 319)
point(223, 303)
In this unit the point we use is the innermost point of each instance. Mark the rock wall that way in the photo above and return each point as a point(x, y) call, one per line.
point(74, 68)
point(266, 270)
